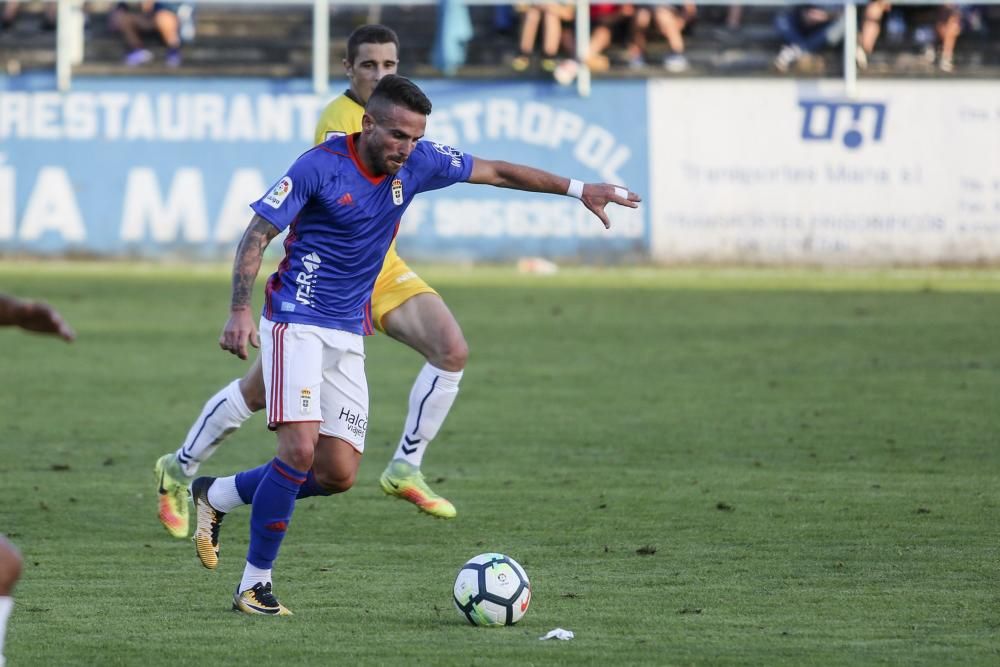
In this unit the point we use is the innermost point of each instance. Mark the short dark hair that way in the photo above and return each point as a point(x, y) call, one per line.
point(399, 91)
point(373, 33)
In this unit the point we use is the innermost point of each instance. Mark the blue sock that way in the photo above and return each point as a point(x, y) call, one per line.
point(312, 488)
point(273, 504)
point(248, 481)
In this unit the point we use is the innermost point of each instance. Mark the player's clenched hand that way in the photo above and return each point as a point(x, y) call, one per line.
point(597, 195)
point(238, 330)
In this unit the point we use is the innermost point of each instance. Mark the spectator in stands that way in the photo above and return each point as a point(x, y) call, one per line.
point(608, 22)
point(555, 20)
point(734, 17)
point(149, 16)
point(11, 8)
point(871, 28)
point(806, 29)
point(671, 22)
point(947, 28)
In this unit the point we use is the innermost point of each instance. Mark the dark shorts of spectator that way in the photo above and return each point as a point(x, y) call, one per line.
point(157, 6)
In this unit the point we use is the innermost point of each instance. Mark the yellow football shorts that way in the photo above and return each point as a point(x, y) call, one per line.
point(395, 284)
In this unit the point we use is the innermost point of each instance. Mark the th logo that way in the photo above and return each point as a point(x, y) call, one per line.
point(820, 121)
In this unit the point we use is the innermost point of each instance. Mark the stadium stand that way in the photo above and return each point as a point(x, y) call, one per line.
point(261, 40)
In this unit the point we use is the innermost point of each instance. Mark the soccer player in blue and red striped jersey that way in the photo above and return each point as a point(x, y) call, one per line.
point(341, 202)
point(404, 307)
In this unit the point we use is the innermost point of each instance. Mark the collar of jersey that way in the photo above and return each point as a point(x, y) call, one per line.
point(374, 180)
point(349, 94)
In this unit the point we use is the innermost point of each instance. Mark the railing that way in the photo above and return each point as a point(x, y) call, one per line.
point(69, 32)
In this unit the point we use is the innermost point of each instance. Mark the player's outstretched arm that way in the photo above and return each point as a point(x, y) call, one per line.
point(240, 327)
point(34, 316)
point(595, 196)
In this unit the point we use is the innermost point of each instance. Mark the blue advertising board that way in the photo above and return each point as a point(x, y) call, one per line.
point(154, 167)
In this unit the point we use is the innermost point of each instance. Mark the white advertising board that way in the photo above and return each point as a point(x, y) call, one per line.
point(785, 172)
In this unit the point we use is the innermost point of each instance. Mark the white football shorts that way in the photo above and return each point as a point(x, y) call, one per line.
point(315, 374)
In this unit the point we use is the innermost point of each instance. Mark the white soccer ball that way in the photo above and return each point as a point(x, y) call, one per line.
point(492, 589)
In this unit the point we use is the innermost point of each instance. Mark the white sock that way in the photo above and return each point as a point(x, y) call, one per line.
point(223, 496)
point(222, 414)
point(431, 398)
point(253, 575)
point(6, 606)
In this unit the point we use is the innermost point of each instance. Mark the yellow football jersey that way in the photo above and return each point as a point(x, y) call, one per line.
point(341, 116)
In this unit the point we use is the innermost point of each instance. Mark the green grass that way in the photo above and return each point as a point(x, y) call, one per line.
point(812, 455)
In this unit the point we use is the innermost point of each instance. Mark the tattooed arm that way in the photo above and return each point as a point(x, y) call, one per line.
point(240, 327)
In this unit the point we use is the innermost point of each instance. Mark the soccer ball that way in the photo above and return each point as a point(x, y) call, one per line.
point(492, 589)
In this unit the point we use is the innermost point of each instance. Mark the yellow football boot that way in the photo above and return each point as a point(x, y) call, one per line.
point(404, 480)
point(259, 600)
point(172, 496)
point(208, 522)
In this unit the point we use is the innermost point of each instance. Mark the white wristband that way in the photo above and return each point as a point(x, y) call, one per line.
point(575, 188)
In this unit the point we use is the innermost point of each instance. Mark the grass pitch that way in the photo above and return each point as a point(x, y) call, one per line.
point(710, 468)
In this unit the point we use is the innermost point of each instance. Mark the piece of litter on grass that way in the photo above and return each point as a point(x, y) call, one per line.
point(558, 633)
point(537, 265)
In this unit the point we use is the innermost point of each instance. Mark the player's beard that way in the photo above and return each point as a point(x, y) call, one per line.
point(377, 157)
point(391, 167)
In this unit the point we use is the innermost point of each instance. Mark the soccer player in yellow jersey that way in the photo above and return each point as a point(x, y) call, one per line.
point(403, 306)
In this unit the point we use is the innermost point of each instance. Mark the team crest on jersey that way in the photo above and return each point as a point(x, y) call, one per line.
point(306, 398)
point(397, 192)
point(278, 193)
